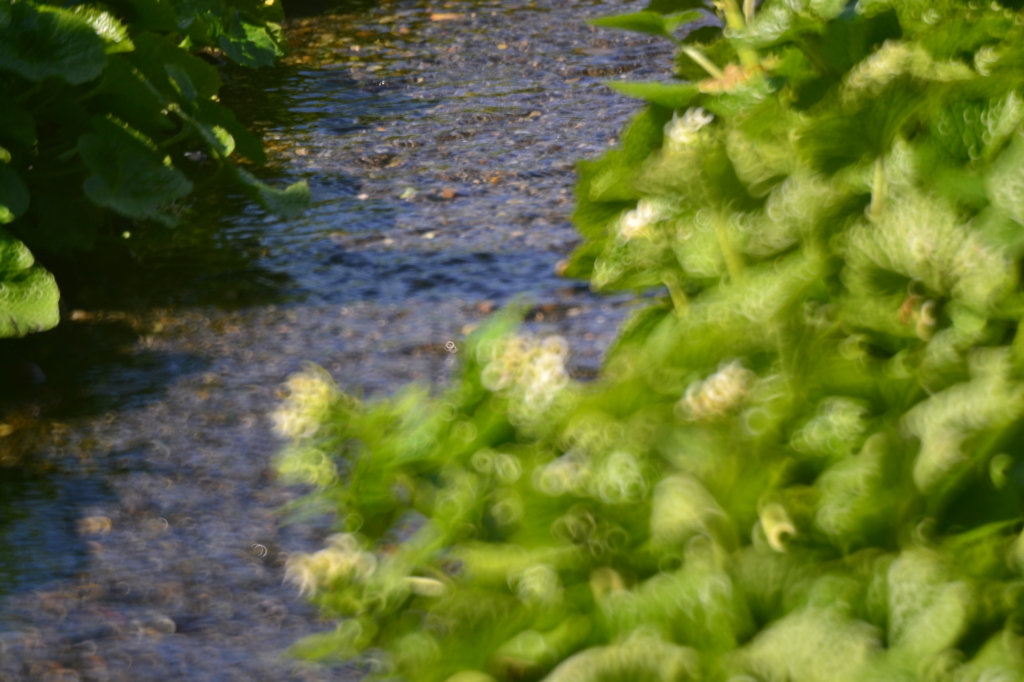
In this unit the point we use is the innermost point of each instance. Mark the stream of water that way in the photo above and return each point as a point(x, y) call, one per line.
point(140, 533)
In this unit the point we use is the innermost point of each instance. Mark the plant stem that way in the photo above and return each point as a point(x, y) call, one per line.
point(733, 260)
point(734, 19)
point(680, 301)
point(702, 61)
point(1017, 348)
point(185, 133)
point(737, 21)
point(86, 96)
point(878, 190)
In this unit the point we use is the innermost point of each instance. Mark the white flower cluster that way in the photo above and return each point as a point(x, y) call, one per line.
point(342, 559)
point(570, 473)
point(616, 479)
point(530, 371)
point(301, 463)
point(536, 584)
point(682, 131)
point(719, 394)
point(311, 393)
point(648, 211)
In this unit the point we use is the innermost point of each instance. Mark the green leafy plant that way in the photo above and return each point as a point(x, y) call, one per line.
point(803, 460)
point(110, 110)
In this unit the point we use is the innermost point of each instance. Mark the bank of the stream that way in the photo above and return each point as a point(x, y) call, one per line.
point(138, 511)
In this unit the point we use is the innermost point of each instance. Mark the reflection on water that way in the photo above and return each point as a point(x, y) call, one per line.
point(307, 8)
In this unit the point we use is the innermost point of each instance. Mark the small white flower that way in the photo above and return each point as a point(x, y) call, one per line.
point(311, 393)
point(341, 559)
point(648, 211)
point(682, 131)
point(719, 394)
point(531, 371)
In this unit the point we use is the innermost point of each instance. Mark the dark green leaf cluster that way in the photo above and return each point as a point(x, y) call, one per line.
point(803, 461)
point(111, 109)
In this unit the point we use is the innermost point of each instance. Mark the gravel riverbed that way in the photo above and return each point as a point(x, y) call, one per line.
point(439, 143)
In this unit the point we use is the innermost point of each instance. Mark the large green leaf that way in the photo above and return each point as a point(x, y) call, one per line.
point(676, 95)
point(145, 15)
point(203, 20)
point(38, 41)
point(130, 96)
point(246, 143)
point(181, 82)
point(652, 23)
point(288, 203)
point(128, 175)
point(28, 295)
point(959, 39)
point(154, 53)
point(849, 38)
point(611, 178)
point(217, 139)
point(831, 142)
point(249, 44)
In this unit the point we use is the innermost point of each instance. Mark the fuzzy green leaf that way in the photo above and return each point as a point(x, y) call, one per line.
point(670, 95)
point(28, 295)
point(652, 23)
point(130, 96)
point(290, 202)
point(246, 143)
point(107, 26)
point(154, 53)
point(217, 139)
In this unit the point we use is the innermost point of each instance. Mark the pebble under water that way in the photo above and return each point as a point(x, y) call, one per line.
point(141, 537)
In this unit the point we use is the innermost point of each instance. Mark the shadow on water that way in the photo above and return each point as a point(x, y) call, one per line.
point(45, 490)
point(39, 517)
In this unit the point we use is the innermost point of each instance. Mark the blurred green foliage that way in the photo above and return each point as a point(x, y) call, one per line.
point(803, 461)
point(111, 110)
